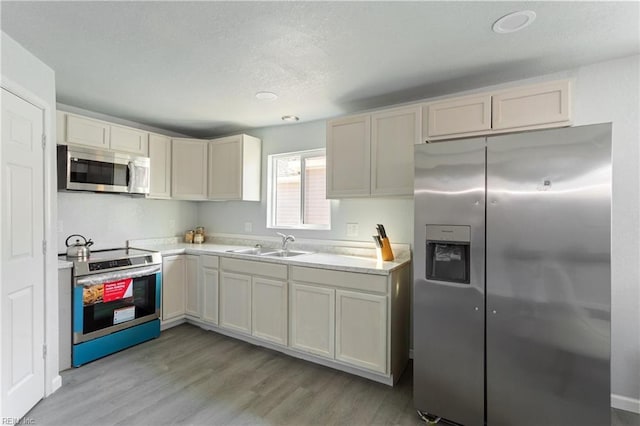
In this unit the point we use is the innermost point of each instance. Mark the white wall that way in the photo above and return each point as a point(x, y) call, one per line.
point(230, 216)
point(603, 92)
point(28, 77)
point(111, 219)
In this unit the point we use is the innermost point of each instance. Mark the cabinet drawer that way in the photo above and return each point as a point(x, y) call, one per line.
point(208, 261)
point(255, 268)
point(352, 280)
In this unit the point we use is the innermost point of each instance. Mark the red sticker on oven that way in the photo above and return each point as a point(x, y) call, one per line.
point(117, 290)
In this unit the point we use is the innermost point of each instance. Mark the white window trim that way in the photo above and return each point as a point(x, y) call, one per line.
point(271, 188)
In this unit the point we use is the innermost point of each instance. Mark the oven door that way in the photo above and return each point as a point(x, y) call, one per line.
point(109, 302)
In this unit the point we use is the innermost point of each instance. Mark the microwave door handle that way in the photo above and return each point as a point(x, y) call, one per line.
point(132, 171)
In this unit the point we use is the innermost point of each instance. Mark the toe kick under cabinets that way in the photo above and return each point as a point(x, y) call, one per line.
point(352, 321)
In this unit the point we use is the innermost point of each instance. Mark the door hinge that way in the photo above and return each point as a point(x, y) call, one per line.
point(44, 351)
point(44, 141)
point(44, 246)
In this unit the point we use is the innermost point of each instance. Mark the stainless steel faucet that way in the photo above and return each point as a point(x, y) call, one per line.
point(286, 239)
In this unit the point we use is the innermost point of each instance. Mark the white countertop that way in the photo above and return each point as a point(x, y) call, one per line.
point(340, 262)
point(63, 264)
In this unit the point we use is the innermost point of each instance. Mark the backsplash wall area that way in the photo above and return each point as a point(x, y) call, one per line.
point(111, 219)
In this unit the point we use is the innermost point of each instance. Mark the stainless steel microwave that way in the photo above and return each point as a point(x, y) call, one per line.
point(86, 169)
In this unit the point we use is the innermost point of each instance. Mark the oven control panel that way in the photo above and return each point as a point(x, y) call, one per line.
point(109, 264)
point(105, 265)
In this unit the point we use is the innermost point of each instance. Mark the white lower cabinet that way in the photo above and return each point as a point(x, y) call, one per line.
point(356, 322)
point(192, 306)
point(269, 310)
point(361, 330)
point(173, 287)
point(235, 302)
point(312, 319)
point(209, 286)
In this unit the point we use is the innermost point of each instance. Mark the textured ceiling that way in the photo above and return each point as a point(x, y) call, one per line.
point(194, 67)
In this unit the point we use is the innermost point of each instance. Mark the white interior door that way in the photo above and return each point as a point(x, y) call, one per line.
point(22, 289)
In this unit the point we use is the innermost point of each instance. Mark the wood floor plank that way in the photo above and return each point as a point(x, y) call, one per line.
point(189, 376)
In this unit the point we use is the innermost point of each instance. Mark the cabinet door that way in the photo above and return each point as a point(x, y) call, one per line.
point(129, 140)
point(192, 306)
point(173, 274)
point(209, 277)
point(393, 135)
point(532, 107)
point(361, 330)
point(85, 131)
point(312, 319)
point(269, 310)
point(455, 117)
point(160, 155)
point(189, 169)
point(349, 157)
point(235, 302)
point(225, 168)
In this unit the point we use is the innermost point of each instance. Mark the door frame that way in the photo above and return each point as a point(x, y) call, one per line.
point(53, 380)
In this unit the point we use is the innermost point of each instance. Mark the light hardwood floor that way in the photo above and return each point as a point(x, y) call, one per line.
point(194, 377)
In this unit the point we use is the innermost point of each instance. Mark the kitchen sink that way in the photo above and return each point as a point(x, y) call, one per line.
point(268, 252)
point(253, 250)
point(285, 253)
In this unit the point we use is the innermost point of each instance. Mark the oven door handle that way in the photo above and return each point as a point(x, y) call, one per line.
point(117, 275)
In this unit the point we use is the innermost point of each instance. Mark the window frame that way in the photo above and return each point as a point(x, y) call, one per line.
point(271, 189)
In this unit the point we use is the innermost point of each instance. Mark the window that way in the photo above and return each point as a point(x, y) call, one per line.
point(297, 191)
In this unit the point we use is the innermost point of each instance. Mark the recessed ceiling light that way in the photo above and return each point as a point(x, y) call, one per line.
point(266, 96)
point(290, 118)
point(514, 22)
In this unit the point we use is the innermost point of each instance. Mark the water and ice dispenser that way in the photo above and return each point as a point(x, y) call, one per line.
point(448, 253)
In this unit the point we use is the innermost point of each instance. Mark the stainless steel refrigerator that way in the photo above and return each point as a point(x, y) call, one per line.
point(512, 278)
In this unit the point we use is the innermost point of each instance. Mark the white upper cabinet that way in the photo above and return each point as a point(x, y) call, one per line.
point(189, 169)
point(349, 157)
point(78, 130)
point(129, 140)
point(234, 168)
point(372, 155)
point(86, 131)
point(537, 106)
point(460, 115)
point(542, 105)
point(393, 135)
point(160, 175)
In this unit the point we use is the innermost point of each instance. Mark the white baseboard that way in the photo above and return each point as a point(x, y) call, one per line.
point(56, 383)
point(624, 403)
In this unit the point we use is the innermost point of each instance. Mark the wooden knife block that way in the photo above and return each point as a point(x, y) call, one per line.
point(387, 253)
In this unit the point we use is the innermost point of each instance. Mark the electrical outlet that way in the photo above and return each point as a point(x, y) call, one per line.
point(248, 227)
point(352, 229)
